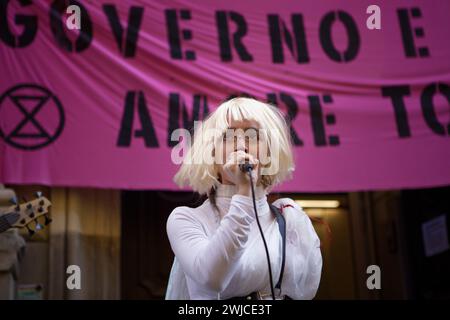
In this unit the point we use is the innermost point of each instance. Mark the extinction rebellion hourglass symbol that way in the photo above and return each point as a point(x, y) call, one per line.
point(31, 117)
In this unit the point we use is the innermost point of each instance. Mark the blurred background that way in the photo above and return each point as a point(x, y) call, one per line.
point(124, 253)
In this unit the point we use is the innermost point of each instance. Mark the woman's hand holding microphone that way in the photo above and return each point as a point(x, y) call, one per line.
point(240, 178)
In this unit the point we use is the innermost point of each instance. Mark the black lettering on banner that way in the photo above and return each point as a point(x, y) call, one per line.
point(28, 22)
point(317, 121)
point(292, 110)
point(224, 36)
point(134, 24)
point(352, 34)
point(277, 27)
point(428, 109)
point(173, 32)
point(126, 129)
point(179, 117)
point(397, 93)
point(58, 28)
point(240, 94)
point(408, 35)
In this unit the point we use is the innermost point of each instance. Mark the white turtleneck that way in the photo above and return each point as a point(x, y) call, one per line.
point(223, 256)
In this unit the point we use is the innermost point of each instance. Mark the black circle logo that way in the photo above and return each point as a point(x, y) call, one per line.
point(31, 117)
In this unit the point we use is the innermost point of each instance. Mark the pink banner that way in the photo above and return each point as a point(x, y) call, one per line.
point(369, 108)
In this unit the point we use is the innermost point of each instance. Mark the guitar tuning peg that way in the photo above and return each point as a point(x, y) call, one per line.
point(29, 205)
point(30, 232)
point(13, 200)
point(38, 226)
point(38, 194)
point(48, 220)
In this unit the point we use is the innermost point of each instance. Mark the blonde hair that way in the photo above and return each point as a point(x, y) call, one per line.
point(203, 177)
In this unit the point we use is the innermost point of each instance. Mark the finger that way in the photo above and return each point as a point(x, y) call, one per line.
point(251, 159)
point(237, 158)
point(229, 167)
point(233, 156)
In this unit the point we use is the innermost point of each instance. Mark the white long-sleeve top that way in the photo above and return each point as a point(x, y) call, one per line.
point(222, 256)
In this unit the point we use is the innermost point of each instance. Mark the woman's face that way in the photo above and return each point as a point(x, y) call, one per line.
point(241, 136)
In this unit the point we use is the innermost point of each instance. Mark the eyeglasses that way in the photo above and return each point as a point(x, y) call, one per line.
point(250, 135)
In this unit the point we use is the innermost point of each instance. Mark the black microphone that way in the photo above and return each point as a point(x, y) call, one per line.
point(246, 167)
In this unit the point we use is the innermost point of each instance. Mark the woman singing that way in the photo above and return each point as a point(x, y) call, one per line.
point(219, 250)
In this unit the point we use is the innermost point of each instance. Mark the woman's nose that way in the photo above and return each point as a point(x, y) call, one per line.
point(241, 144)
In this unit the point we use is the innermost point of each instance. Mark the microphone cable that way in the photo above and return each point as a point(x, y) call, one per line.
point(248, 169)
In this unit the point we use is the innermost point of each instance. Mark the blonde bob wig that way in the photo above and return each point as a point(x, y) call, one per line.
point(203, 176)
